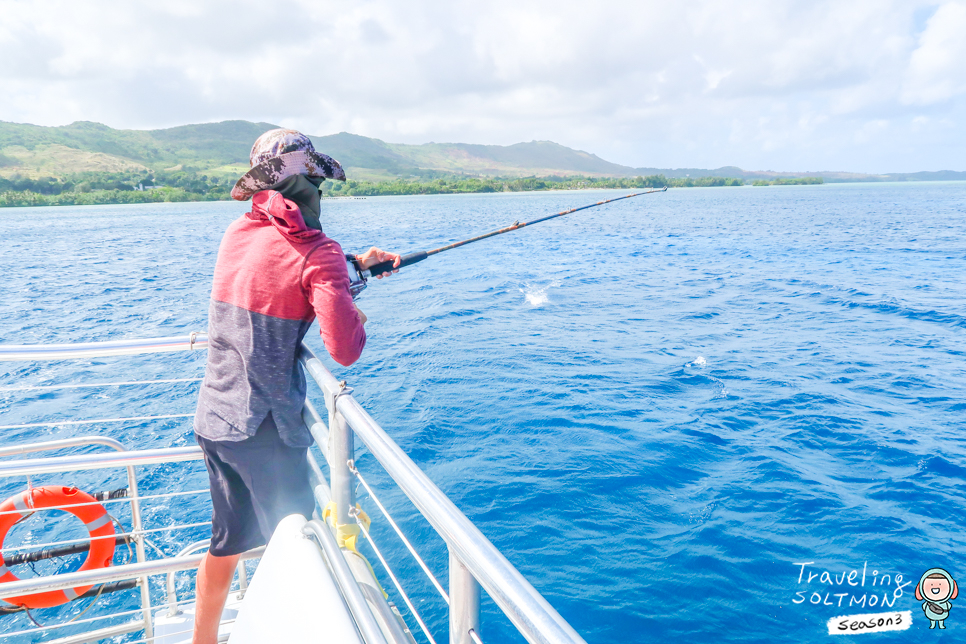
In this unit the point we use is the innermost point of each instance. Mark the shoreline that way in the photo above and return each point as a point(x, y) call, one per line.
point(28, 199)
point(362, 189)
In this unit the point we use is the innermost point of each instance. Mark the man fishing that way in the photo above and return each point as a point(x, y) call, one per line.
point(276, 272)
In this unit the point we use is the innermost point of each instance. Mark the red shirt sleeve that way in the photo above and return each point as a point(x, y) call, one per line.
point(326, 282)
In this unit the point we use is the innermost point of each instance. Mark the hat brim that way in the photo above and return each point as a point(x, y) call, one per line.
point(269, 172)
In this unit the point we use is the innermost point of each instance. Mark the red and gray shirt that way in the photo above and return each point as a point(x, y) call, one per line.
point(273, 277)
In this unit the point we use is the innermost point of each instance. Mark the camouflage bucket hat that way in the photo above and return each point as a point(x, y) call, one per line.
point(279, 154)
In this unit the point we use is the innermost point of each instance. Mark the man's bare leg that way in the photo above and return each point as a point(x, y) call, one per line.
point(214, 580)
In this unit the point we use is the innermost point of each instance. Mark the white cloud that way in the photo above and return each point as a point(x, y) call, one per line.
point(781, 84)
point(937, 69)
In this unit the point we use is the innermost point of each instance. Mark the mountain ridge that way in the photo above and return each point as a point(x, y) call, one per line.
point(223, 148)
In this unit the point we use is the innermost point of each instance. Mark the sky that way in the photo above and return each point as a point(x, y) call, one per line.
point(865, 86)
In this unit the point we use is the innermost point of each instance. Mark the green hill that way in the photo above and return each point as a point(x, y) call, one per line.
point(214, 154)
point(34, 151)
point(540, 158)
point(363, 157)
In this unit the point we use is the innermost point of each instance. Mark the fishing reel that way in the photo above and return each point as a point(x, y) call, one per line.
point(357, 275)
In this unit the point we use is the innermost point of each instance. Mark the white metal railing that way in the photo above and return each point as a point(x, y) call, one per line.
point(105, 575)
point(119, 458)
point(137, 533)
point(473, 560)
point(79, 462)
point(94, 421)
point(120, 499)
point(173, 603)
point(98, 635)
point(193, 341)
point(93, 385)
point(138, 571)
point(347, 582)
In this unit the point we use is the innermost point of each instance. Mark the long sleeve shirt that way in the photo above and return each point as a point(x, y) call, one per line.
point(273, 277)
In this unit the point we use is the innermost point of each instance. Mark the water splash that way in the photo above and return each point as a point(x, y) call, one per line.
point(697, 363)
point(537, 296)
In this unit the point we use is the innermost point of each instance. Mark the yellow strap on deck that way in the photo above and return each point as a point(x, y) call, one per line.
point(346, 535)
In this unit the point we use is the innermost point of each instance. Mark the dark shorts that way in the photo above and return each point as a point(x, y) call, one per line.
point(255, 483)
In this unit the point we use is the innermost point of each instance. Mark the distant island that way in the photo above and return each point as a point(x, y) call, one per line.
point(90, 163)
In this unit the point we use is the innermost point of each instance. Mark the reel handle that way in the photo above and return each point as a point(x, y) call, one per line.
point(387, 267)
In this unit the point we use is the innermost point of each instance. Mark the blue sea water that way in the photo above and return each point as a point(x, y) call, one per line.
point(672, 414)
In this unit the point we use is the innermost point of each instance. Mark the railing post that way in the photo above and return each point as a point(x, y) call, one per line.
point(464, 602)
point(339, 453)
point(138, 537)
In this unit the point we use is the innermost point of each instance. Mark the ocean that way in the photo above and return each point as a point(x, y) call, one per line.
point(673, 413)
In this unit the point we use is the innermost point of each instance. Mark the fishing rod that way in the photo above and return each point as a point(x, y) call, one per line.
point(357, 285)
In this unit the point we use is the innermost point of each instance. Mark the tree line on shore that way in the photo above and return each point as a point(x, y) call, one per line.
point(90, 188)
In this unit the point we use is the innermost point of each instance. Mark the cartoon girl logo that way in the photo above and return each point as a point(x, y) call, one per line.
point(936, 589)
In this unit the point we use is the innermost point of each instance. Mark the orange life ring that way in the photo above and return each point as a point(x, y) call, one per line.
point(95, 518)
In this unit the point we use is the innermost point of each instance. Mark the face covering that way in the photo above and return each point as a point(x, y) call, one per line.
point(304, 191)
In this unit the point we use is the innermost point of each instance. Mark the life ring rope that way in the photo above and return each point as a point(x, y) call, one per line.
point(58, 507)
point(100, 529)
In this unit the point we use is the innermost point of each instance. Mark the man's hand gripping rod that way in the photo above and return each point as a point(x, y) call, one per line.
point(358, 284)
